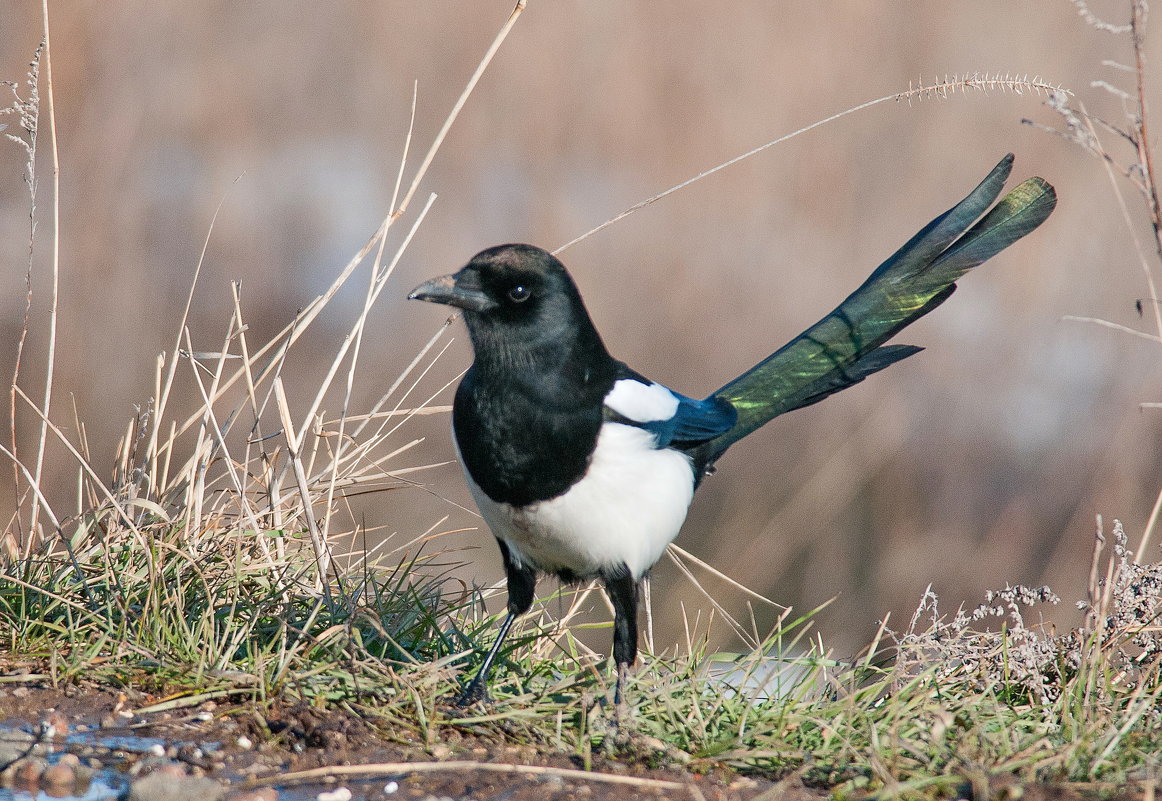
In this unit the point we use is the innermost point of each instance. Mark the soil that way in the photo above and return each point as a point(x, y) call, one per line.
point(243, 750)
point(238, 747)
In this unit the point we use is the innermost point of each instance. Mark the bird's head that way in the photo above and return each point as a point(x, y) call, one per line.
point(514, 297)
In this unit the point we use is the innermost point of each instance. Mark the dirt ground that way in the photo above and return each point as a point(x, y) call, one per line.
point(236, 747)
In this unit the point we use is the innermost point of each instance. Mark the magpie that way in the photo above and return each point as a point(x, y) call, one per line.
point(584, 468)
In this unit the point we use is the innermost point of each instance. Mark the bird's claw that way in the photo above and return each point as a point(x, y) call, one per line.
point(475, 692)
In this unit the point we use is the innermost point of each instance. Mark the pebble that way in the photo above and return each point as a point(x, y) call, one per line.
point(165, 768)
point(14, 744)
point(54, 726)
point(338, 794)
point(29, 771)
point(161, 786)
point(188, 752)
point(57, 777)
point(259, 794)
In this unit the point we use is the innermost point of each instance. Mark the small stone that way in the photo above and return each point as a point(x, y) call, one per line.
point(58, 777)
point(257, 794)
point(173, 769)
point(14, 744)
point(29, 771)
point(160, 786)
point(188, 752)
point(55, 726)
point(338, 794)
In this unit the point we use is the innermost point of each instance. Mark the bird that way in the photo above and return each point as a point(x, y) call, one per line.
point(584, 468)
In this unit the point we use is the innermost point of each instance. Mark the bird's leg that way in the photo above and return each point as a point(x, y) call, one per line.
point(522, 581)
point(477, 689)
point(623, 593)
point(620, 705)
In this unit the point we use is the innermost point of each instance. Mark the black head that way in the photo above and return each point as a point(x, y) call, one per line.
point(517, 300)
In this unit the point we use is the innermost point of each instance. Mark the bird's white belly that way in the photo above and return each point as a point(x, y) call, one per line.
point(626, 510)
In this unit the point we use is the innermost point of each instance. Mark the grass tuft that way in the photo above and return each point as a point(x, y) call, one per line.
point(225, 556)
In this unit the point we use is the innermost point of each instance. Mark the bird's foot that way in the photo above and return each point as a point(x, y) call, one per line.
point(475, 692)
point(622, 714)
point(621, 728)
point(625, 740)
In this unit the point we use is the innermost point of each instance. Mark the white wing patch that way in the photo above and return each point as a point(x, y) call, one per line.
point(642, 403)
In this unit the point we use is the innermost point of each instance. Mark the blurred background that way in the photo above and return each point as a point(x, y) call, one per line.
point(980, 462)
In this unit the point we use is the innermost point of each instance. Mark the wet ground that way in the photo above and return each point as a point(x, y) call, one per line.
point(96, 745)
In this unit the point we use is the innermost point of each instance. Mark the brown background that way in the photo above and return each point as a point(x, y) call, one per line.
point(982, 461)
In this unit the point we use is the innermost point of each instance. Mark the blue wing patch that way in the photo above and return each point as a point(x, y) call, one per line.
point(699, 420)
point(669, 416)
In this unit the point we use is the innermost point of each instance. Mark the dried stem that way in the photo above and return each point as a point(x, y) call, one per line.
point(447, 126)
point(1082, 129)
point(28, 111)
point(940, 89)
point(50, 358)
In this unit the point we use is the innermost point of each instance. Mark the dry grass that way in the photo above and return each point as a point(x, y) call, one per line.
point(228, 552)
point(803, 242)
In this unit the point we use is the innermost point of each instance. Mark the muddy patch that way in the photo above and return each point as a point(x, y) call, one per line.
point(93, 744)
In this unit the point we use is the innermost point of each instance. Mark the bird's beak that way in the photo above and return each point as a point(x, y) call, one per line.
point(454, 290)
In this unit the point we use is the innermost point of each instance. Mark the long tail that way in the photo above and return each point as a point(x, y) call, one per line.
point(846, 346)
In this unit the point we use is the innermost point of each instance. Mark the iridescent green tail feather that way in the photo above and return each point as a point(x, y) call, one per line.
point(847, 345)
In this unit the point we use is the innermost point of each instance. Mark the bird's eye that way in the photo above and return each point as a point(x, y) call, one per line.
point(519, 293)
